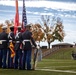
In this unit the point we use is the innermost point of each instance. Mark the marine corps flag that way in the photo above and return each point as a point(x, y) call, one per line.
point(16, 24)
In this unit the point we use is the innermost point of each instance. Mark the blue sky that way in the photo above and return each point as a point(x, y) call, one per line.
point(65, 9)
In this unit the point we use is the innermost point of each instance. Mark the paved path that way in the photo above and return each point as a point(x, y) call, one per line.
point(68, 71)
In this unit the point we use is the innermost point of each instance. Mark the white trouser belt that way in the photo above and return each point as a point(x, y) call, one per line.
point(17, 41)
point(10, 40)
point(25, 41)
point(3, 40)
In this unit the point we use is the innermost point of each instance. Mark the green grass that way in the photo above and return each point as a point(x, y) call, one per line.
point(57, 64)
point(60, 60)
point(64, 53)
point(17, 72)
point(54, 64)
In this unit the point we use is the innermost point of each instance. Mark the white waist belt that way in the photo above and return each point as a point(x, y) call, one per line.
point(2, 40)
point(10, 40)
point(26, 40)
point(17, 41)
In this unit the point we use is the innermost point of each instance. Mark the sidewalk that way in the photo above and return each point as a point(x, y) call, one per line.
point(68, 71)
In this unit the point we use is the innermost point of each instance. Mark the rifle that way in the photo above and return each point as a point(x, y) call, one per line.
point(35, 58)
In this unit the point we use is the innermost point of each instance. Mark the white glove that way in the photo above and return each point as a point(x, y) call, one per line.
point(23, 43)
point(37, 47)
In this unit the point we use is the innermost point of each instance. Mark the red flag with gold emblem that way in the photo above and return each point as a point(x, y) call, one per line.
point(16, 24)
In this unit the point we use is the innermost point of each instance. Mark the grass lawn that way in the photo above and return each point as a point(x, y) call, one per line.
point(64, 53)
point(60, 60)
point(18, 72)
point(58, 64)
point(54, 64)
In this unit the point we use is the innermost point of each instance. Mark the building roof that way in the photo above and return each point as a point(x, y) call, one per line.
point(62, 44)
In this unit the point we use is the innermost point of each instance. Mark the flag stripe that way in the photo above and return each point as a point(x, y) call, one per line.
point(24, 18)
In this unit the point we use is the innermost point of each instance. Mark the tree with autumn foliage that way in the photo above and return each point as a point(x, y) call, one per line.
point(37, 32)
point(8, 23)
point(1, 27)
point(58, 33)
point(53, 30)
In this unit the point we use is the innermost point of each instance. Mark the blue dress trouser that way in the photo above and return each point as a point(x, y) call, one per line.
point(10, 60)
point(1, 55)
point(4, 58)
point(27, 59)
point(18, 56)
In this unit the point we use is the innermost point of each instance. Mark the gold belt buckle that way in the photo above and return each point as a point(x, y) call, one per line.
point(0, 42)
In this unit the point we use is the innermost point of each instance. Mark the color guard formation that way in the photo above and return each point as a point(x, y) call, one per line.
point(15, 50)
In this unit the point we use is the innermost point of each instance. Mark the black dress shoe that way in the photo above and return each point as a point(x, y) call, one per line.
point(3, 67)
point(20, 68)
point(8, 67)
point(11, 67)
point(15, 68)
point(0, 66)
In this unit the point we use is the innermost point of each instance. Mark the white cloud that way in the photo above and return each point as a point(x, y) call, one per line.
point(6, 11)
point(43, 13)
point(51, 14)
point(39, 13)
point(46, 9)
point(47, 4)
point(70, 36)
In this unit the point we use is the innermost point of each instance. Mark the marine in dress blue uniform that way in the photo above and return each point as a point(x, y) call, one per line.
point(11, 38)
point(27, 47)
point(18, 50)
point(0, 56)
point(3, 47)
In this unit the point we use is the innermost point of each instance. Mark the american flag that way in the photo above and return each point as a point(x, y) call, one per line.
point(24, 18)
